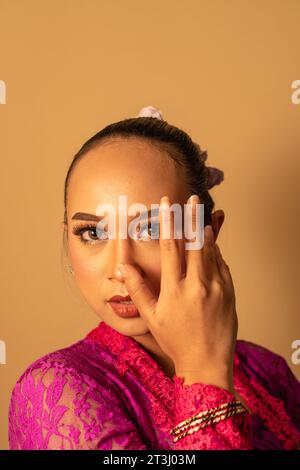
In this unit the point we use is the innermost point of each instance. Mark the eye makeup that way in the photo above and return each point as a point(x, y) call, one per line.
point(80, 229)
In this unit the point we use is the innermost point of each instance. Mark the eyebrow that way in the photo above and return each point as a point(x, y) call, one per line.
point(84, 216)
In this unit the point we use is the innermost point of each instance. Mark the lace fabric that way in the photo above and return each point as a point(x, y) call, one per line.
point(106, 392)
point(54, 407)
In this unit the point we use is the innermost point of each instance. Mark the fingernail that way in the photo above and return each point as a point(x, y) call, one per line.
point(194, 199)
point(164, 202)
point(122, 270)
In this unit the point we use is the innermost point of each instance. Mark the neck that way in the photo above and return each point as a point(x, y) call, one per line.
point(152, 347)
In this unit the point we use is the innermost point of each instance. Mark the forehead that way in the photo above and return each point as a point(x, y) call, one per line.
point(133, 167)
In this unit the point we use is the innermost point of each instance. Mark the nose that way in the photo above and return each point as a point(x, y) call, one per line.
point(121, 252)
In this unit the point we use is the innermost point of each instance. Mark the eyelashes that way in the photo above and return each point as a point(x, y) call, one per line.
point(79, 230)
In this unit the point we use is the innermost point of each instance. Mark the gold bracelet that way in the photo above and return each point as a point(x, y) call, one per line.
point(208, 417)
point(211, 421)
point(223, 407)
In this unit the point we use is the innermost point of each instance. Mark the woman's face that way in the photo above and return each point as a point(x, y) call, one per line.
point(142, 173)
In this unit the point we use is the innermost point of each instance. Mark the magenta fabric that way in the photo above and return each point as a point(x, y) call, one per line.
point(106, 392)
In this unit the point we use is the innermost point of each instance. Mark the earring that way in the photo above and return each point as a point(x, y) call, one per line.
point(70, 269)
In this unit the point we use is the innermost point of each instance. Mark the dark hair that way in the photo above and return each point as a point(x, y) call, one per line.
point(180, 147)
point(175, 141)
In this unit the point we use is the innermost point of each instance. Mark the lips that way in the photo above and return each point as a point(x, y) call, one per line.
point(119, 298)
point(122, 309)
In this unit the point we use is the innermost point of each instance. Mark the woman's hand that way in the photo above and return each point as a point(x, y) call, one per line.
point(194, 319)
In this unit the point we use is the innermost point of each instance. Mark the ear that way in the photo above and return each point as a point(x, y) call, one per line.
point(217, 219)
point(63, 225)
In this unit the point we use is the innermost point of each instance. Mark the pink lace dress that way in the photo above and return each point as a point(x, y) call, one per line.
point(106, 392)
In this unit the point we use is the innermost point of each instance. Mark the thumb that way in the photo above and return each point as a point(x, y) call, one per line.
point(141, 295)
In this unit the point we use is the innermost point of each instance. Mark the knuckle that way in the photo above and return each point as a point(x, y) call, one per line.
point(217, 287)
point(200, 290)
point(211, 256)
point(135, 286)
point(173, 289)
point(167, 244)
point(134, 289)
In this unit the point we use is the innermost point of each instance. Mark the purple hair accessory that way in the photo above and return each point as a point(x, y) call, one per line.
point(150, 111)
point(214, 176)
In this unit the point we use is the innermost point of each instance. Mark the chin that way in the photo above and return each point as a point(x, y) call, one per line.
point(127, 326)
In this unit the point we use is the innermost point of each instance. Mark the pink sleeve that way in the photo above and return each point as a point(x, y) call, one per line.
point(53, 407)
point(230, 434)
point(287, 388)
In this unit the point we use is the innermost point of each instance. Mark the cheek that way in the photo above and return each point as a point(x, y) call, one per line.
point(76, 255)
point(86, 265)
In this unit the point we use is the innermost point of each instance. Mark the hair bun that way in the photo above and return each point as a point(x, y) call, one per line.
point(150, 111)
point(214, 176)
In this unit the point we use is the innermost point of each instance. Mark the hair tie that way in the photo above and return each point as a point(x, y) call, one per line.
point(214, 175)
point(150, 111)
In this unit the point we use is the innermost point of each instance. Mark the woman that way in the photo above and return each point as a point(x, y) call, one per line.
point(163, 369)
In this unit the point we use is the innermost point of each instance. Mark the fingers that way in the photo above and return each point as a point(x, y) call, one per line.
point(209, 252)
point(223, 266)
point(202, 260)
point(169, 250)
point(194, 247)
point(141, 295)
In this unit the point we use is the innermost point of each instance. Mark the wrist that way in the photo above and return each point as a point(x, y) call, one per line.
point(222, 377)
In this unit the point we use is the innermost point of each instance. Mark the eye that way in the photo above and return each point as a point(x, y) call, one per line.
point(93, 237)
point(79, 231)
point(154, 228)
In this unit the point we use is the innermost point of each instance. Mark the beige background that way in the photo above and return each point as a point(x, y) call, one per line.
point(222, 70)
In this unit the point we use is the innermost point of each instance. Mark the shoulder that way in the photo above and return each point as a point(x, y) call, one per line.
point(71, 376)
point(263, 363)
point(253, 351)
point(65, 399)
point(263, 358)
point(272, 371)
point(75, 362)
